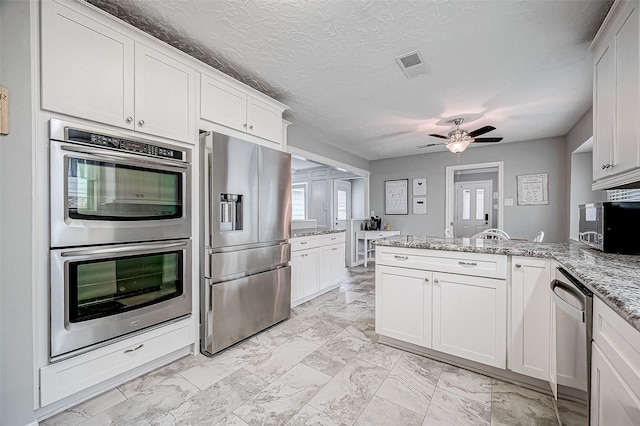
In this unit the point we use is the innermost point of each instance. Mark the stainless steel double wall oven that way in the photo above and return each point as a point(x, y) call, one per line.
point(120, 214)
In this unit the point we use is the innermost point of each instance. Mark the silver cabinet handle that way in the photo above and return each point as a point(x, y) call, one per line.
point(518, 265)
point(436, 281)
point(303, 242)
point(468, 263)
point(426, 280)
point(334, 238)
point(334, 248)
point(129, 119)
point(251, 127)
point(401, 257)
point(126, 351)
point(141, 122)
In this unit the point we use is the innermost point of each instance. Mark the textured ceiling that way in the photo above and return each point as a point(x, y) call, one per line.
point(522, 66)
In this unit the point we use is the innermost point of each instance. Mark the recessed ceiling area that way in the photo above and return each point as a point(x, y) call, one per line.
point(520, 66)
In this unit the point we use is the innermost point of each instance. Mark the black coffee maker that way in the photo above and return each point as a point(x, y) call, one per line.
point(375, 223)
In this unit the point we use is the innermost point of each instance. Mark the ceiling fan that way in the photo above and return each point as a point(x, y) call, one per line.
point(459, 139)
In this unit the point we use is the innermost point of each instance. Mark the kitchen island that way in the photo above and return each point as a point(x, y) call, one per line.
point(486, 305)
point(614, 278)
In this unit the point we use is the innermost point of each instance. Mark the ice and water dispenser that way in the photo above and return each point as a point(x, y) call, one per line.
point(230, 212)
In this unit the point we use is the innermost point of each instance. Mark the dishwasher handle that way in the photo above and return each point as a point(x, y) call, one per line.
point(577, 313)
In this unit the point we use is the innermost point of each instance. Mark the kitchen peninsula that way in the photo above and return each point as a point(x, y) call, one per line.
point(486, 305)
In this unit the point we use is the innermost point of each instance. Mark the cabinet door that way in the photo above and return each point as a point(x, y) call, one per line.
point(469, 317)
point(403, 304)
point(309, 272)
point(165, 96)
point(612, 400)
point(627, 144)
point(296, 276)
point(337, 263)
point(87, 68)
point(530, 315)
point(604, 89)
point(324, 266)
point(223, 104)
point(263, 120)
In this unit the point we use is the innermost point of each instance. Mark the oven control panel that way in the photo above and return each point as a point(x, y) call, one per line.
point(122, 144)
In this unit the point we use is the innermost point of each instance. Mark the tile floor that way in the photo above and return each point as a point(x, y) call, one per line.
point(323, 366)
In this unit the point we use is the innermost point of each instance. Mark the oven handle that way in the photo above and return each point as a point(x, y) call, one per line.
point(579, 314)
point(121, 156)
point(133, 248)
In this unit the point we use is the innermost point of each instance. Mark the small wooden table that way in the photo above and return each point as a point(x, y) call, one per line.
point(367, 236)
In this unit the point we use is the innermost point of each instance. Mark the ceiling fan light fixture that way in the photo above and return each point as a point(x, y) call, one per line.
point(458, 141)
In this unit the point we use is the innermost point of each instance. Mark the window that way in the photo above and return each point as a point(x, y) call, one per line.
point(623, 195)
point(342, 204)
point(299, 201)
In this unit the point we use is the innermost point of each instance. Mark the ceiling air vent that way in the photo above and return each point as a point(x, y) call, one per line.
point(412, 64)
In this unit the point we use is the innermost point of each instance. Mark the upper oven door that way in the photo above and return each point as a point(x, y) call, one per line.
point(99, 196)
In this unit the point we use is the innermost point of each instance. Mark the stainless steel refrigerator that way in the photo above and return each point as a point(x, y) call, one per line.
point(246, 222)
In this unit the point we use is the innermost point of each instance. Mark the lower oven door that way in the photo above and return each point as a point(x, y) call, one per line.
point(105, 292)
point(237, 309)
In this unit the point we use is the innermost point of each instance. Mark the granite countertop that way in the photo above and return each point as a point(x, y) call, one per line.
point(614, 278)
point(308, 232)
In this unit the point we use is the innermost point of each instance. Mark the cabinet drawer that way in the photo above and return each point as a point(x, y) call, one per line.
point(304, 243)
point(482, 265)
point(330, 239)
point(76, 374)
point(619, 342)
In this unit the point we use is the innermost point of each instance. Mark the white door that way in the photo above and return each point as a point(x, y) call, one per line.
point(341, 203)
point(473, 212)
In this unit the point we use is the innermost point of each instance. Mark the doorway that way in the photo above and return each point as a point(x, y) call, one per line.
point(468, 173)
point(473, 210)
point(341, 203)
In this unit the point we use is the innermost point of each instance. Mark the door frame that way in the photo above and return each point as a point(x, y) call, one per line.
point(450, 191)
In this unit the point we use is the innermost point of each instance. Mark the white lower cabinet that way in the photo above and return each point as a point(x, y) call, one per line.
point(68, 377)
point(613, 402)
point(530, 317)
point(403, 304)
point(469, 317)
point(317, 265)
point(462, 313)
point(615, 369)
point(304, 273)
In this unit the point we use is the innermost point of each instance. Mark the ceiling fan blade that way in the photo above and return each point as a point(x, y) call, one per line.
point(439, 136)
point(428, 145)
point(481, 131)
point(486, 140)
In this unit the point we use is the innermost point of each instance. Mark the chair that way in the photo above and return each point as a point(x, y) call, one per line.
point(492, 234)
point(448, 233)
point(539, 237)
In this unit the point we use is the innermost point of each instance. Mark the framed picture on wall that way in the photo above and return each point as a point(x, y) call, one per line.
point(533, 189)
point(420, 186)
point(396, 200)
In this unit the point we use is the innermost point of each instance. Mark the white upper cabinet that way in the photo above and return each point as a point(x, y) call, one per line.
point(92, 71)
point(87, 67)
point(230, 106)
point(165, 94)
point(616, 98)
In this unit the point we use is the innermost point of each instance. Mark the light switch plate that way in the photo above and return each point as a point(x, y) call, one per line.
point(508, 201)
point(4, 110)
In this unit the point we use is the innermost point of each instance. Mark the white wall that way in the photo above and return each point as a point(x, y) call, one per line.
point(538, 156)
point(312, 143)
point(581, 193)
point(579, 134)
point(17, 216)
point(358, 198)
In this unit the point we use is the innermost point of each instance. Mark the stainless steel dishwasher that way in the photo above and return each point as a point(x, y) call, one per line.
point(571, 320)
